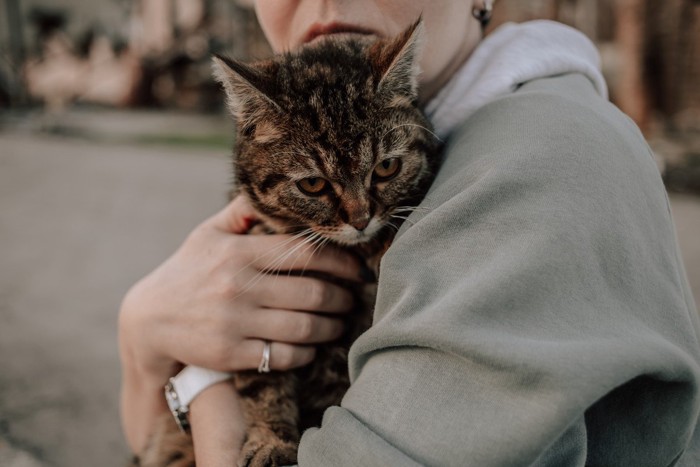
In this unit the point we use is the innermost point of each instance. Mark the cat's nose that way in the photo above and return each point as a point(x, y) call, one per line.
point(361, 223)
point(355, 211)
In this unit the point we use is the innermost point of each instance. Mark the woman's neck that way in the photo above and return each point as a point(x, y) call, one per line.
point(429, 89)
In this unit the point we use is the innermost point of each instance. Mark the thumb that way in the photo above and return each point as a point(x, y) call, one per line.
point(237, 217)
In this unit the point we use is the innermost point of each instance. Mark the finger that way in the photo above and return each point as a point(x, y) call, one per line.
point(283, 253)
point(237, 217)
point(246, 354)
point(282, 356)
point(302, 293)
point(291, 327)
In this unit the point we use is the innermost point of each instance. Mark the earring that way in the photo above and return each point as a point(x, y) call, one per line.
point(484, 14)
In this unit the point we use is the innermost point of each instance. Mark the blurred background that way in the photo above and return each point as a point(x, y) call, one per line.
point(114, 143)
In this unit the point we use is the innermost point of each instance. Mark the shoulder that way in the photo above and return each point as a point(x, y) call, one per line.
point(553, 188)
point(553, 119)
point(565, 104)
point(556, 137)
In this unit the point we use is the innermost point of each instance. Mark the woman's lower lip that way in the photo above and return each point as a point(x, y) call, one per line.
point(339, 35)
point(332, 28)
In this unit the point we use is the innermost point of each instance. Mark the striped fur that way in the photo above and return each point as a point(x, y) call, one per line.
point(335, 110)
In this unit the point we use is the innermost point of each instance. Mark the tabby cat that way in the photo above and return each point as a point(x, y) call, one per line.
point(330, 145)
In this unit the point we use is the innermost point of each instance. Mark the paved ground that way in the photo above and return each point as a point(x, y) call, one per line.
point(79, 222)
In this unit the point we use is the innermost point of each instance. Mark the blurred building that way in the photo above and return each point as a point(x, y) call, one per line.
point(175, 40)
point(651, 59)
point(650, 50)
point(145, 53)
point(157, 52)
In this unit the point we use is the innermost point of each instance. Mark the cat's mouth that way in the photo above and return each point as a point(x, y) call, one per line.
point(349, 235)
point(320, 31)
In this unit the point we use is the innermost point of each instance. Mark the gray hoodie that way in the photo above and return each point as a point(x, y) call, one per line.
point(538, 312)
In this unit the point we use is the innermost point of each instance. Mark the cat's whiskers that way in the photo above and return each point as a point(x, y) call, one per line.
point(412, 208)
point(278, 247)
point(392, 225)
point(276, 268)
point(408, 210)
point(320, 242)
point(308, 242)
point(272, 265)
point(404, 218)
point(314, 240)
point(414, 125)
point(272, 251)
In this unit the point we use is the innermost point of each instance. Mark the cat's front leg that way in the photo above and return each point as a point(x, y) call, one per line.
point(269, 402)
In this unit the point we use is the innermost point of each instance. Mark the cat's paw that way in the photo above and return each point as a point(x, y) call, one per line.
point(257, 454)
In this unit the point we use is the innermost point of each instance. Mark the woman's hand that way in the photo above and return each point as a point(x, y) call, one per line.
point(212, 304)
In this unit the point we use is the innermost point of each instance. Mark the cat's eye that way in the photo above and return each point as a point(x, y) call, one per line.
point(313, 186)
point(387, 169)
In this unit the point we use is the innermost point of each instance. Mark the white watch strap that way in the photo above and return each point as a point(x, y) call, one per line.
point(194, 379)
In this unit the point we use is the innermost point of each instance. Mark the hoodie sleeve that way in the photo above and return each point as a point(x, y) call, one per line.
point(537, 312)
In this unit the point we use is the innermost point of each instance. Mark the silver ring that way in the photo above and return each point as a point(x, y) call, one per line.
point(264, 366)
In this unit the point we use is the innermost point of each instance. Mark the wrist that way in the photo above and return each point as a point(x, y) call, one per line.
point(183, 388)
point(217, 426)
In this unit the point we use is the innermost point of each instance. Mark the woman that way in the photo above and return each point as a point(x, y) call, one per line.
point(546, 321)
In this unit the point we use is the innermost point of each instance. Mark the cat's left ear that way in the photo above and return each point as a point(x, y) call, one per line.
point(246, 86)
point(395, 61)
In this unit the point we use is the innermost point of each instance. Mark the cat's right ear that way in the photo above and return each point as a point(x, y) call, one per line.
point(246, 87)
point(396, 61)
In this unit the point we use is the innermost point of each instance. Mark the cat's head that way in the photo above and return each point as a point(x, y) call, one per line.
point(331, 138)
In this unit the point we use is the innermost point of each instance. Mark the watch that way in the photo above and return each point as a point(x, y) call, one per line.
point(184, 387)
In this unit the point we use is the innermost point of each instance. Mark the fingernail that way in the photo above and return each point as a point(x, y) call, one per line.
point(366, 274)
